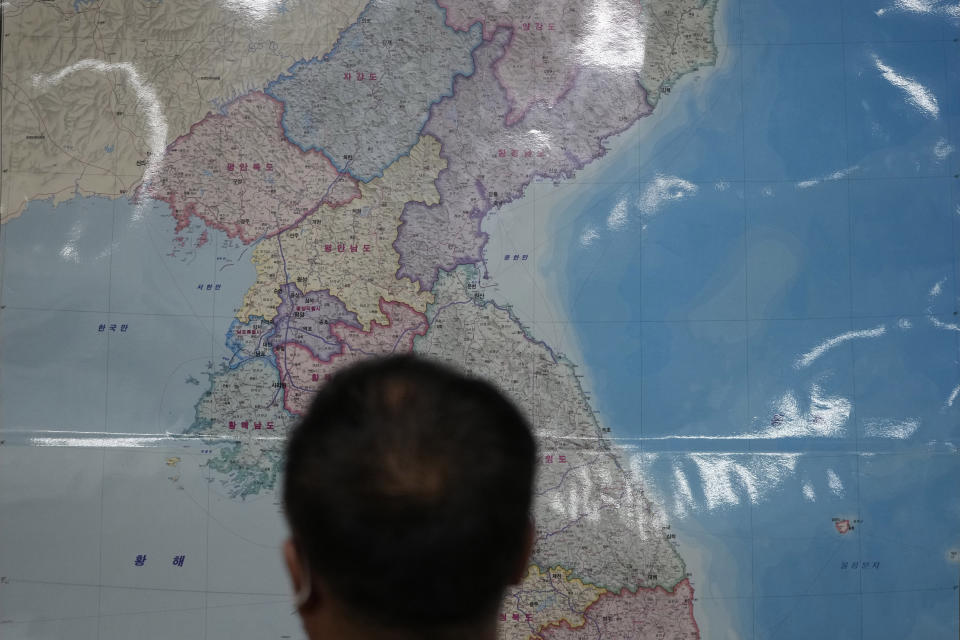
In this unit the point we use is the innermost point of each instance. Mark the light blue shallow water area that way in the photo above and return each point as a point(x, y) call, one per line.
point(767, 309)
point(759, 287)
point(121, 302)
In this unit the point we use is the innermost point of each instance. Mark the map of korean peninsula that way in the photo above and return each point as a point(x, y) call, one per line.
point(354, 179)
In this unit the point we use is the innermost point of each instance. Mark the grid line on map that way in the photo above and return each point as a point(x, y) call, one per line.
point(947, 176)
point(955, 205)
point(213, 351)
point(283, 597)
point(852, 347)
point(106, 416)
point(122, 614)
point(871, 317)
point(732, 45)
point(640, 276)
point(743, 176)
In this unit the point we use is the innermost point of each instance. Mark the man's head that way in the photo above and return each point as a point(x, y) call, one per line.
point(408, 489)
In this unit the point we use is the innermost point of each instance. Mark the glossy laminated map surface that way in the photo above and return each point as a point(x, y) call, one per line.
point(709, 246)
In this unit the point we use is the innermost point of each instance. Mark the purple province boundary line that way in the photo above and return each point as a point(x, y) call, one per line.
point(341, 105)
point(490, 159)
point(303, 318)
point(503, 128)
point(364, 103)
point(246, 398)
point(306, 319)
point(490, 163)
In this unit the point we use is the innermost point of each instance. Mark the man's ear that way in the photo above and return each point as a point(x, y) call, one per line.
point(299, 575)
point(524, 560)
point(293, 564)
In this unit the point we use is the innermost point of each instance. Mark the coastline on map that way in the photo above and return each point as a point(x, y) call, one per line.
point(143, 315)
point(719, 615)
point(552, 226)
point(564, 230)
point(544, 227)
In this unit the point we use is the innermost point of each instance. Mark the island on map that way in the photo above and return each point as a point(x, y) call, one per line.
point(845, 525)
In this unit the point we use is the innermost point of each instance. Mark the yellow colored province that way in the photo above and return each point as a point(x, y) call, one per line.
point(349, 250)
point(545, 598)
point(88, 86)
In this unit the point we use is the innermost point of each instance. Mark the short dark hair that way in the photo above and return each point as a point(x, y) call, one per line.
point(408, 488)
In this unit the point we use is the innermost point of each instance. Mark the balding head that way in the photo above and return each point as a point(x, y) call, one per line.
point(408, 490)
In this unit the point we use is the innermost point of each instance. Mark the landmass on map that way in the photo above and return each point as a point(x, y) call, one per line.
point(238, 173)
point(389, 138)
point(363, 103)
point(349, 250)
point(845, 525)
point(492, 156)
point(196, 56)
point(646, 613)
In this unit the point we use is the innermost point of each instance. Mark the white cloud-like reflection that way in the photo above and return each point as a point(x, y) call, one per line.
point(825, 418)
point(937, 288)
point(936, 7)
point(953, 396)
point(588, 236)
point(940, 324)
point(615, 36)
point(835, 484)
point(935, 291)
point(618, 216)
point(685, 483)
point(889, 428)
point(663, 189)
point(253, 9)
point(69, 250)
point(840, 174)
point(100, 440)
point(683, 495)
point(726, 477)
point(540, 138)
point(807, 358)
point(156, 121)
point(942, 149)
point(917, 94)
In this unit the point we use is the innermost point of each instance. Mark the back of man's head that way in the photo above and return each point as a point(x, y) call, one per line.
point(408, 489)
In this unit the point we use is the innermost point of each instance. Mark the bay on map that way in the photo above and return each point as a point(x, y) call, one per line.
point(770, 342)
point(103, 287)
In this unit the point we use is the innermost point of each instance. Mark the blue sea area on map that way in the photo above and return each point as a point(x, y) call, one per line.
point(164, 308)
point(767, 314)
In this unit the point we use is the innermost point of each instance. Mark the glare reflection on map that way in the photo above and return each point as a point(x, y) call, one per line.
point(709, 246)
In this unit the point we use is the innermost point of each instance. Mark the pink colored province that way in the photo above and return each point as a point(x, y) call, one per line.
point(302, 373)
point(238, 173)
point(646, 614)
point(490, 163)
point(540, 62)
